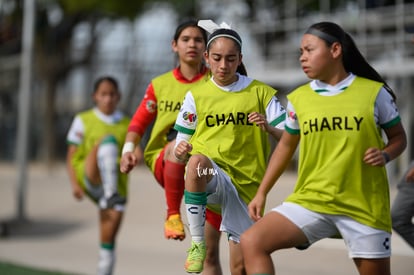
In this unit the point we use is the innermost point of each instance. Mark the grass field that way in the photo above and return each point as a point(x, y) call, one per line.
point(14, 269)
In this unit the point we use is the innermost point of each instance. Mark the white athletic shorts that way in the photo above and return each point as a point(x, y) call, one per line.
point(235, 216)
point(362, 241)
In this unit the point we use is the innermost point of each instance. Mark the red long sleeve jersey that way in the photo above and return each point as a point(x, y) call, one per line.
point(147, 110)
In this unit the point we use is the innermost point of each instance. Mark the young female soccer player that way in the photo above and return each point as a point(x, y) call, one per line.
point(218, 125)
point(342, 188)
point(94, 148)
point(161, 104)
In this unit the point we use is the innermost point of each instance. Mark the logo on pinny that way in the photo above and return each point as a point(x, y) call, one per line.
point(151, 106)
point(189, 117)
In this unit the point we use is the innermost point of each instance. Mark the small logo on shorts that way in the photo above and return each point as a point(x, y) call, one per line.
point(386, 243)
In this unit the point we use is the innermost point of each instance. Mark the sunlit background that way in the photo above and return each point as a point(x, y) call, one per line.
point(75, 41)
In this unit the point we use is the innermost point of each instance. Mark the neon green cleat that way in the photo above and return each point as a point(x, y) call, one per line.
point(195, 258)
point(174, 228)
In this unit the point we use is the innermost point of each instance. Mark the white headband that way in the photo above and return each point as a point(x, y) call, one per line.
point(210, 26)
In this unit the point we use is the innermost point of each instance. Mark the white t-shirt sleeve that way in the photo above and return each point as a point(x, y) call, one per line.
point(385, 108)
point(275, 113)
point(291, 120)
point(186, 121)
point(76, 131)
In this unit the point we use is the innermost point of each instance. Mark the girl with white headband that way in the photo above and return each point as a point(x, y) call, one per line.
point(160, 106)
point(223, 129)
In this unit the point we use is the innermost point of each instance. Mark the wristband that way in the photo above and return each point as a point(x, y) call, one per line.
point(386, 156)
point(128, 147)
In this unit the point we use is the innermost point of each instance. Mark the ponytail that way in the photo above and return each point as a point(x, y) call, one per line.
point(356, 63)
point(241, 69)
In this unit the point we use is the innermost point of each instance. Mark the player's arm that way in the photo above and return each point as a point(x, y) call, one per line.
point(274, 120)
point(409, 177)
point(142, 118)
point(388, 117)
point(279, 161)
point(74, 138)
point(185, 126)
point(77, 190)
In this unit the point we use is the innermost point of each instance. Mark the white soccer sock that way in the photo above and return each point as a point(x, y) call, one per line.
point(106, 261)
point(196, 216)
point(108, 167)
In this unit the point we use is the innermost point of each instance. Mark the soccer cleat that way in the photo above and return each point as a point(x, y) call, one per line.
point(195, 258)
point(174, 228)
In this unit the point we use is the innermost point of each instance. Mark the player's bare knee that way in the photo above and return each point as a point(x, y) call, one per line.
point(246, 241)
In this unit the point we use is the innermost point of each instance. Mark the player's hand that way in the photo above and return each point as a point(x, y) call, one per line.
point(410, 176)
point(181, 151)
point(259, 120)
point(77, 191)
point(128, 161)
point(256, 206)
point(374, 157)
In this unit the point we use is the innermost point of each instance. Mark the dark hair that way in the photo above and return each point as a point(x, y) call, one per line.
point(189, 23)
point(232, 34)
point(111, 79)
point(352, 58)
point(241, 69)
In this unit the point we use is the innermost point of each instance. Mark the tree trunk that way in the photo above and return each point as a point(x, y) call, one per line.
point(49, 130)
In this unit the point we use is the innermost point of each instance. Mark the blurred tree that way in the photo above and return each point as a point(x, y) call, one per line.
point(53, 57)
point(186, 8)
point(56, 21)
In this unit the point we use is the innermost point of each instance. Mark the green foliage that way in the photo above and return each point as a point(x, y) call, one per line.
point(185, 8)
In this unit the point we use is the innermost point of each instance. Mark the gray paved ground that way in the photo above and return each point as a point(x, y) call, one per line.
point(62, 234)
